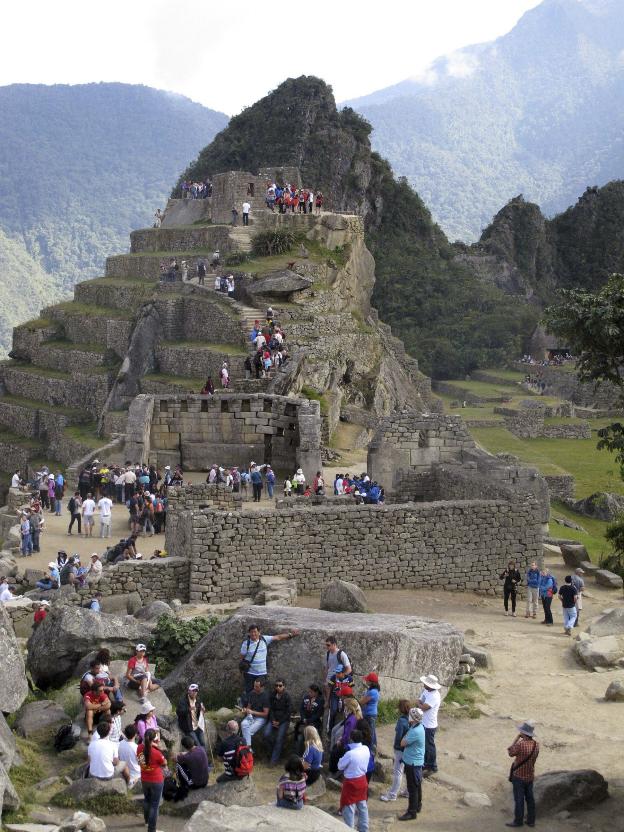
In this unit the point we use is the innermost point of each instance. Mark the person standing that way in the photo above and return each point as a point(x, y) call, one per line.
point(26, 548)
point(532, 583)
point(88, 510)
point(246, 210)
point(413, 745)
point(400, 730)
point(253, 654)
point(152, 763)
point(105, 506)
point(337, 669)
point(511, 578)
point(579, 585)
point(74, 507)
point(201, 271)
point(568, 597)
point(256, 484)
point(547, 588)
point(354, 792)
point(370, 703)
point(429, 703)
point(234, 215)
point(190, 712)
point(525, 750)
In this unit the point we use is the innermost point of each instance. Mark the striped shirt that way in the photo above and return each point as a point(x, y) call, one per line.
point(294, 790)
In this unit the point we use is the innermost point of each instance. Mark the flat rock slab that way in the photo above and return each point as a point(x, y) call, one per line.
point(13, 684)
point(36, 717)
point(212, 817)
point(609, 623)
point(399, 648)
point(81, 790)
point(557, 791)
point(600, 652)
point(573, 554)
point(238, 793)
point(608, 579)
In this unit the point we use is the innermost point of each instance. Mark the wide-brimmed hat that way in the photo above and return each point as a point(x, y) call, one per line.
point(372, 677)
point(146, 708)
point(579, 571)
point(431, 681)
point(415, 714)
point(526, 728)
point(44, 603)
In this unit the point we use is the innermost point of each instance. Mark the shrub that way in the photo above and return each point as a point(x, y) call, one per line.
point(269, 243)
point(174, 638)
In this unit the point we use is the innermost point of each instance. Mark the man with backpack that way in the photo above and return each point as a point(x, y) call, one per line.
point(338, 670)
point(74, 507)
point(236, 756)
point(253, 654)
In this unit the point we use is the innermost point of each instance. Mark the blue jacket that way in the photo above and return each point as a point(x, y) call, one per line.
point(547, 583)
point(400, 730)
point(414, 751)
point(533, 578)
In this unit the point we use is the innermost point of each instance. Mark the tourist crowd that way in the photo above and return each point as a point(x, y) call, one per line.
point(287, 197)
point(540, 585)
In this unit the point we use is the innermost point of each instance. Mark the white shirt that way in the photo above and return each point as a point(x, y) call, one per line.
point(105, 506)
point(96, 567)
point(130, 477)
point(101, 756)
point(88, 507)
point(310, 197)
point(355, 762)
point(15, 480)
point(128, 754)
point(260, 340)
point(433, 699)
point(246, 207)
point(6, 594)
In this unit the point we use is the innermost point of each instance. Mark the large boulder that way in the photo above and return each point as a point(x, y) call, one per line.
point(158, 698)
point(7, 744)
point(9, 799)
point(13, 684)
point(21, 612)
point(600, 652)
point(399, 648)
point(342, 596)
point(609, 579)
point(35, 718)
point(603, 505)
point(238, 793)
point(82, 790)
point(573, 554)
point(282, 282)
point(153, 611)
point(558, 791)
point(126, 604)
point(609, 623)
point(68, 633)
point(212, 817)
point(62, 595)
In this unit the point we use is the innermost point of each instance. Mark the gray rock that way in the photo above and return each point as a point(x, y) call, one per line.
point(400, 648)
point(476, 800)
point(62, 595)
point(276, 591)
point(615, 691)
point(238, 793)
point(342, 596)
point(37, 717)
point(47, 815)
point(45, 784)
point(217, 818)
point(9, 798)
point(82, 821)
point(317, 790)
point(31, 827)
point(609, 623)
point(8, 565)
point(126, 604)
point(603, 505)
point(573, 554)
point(81, 790)
point(608, 579)
point(282, 282)
point(7, 744)
point(557, 791)
point(13, 684)
point(589, 567)
point(68, 633)
point(599, 652)
point(153, 611)
point(481, 656)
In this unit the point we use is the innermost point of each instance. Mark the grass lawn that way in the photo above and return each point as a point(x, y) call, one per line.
point(593, 538)
point(510, 375)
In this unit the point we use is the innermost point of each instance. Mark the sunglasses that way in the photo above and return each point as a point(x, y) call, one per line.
point(279, 686)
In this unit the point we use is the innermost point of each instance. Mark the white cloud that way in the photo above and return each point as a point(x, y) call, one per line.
point(461, 64)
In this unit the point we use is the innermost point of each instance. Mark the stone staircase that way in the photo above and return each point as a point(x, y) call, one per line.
point(240, 238)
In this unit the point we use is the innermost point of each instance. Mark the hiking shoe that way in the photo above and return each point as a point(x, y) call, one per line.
point(407, 816)
point(387, 797)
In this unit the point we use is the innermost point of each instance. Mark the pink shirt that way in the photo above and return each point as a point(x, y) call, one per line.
point(142, 727)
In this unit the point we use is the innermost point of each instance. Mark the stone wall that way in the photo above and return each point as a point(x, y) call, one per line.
point(199, 495)
point(531, 423)
point(161, 579)
point(560, 487)
point(563, 382)
point(451, 545)
point(197, 362)
point(569, 431)
point(83, 391)
point(194, 238)
point(464, 394)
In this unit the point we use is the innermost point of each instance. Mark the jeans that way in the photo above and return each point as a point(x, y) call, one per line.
point(75, 518)
point(35, 540)
point(250, 726)
point(569, 617)
point(199, 736)
point(397, 774)
point(372, 723)
point(245, 218)
point(27, 546)
point(523, 791)
point(430, 750)
point(348, 815)
point(119, 491)
point(45, 583)
point(413, 776)
point(282, 802)
point(531, 600)
point(546, 602)
point(57, 507)
point(507, 594)
point(275, 739)
point(152, 792)
point(270, 487)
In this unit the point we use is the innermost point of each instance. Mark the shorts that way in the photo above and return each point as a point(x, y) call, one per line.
point(88, 519)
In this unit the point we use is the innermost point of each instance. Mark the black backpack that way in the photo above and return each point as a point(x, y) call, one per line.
point(66, 737)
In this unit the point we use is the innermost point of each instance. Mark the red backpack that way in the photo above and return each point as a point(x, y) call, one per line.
point(243, 761)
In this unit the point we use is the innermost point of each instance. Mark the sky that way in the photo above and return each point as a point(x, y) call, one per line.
point(228, 54)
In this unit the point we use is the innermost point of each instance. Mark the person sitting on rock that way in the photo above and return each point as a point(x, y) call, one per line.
point(310, 713)
point(255, 706)
point(41, 612)
point(190, 712)
point(145, 720)
point(138, 673)
point(96, 702)
point(280, 709)
point(103, 675)
point(291, 787)
point(53, 578)
point(192, 767)
point(312, 757)
point(127, 753)
point(226, 750)
point(104, 762)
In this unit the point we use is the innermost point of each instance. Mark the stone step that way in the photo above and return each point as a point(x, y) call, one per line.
point(85, 324)
point(114, 293)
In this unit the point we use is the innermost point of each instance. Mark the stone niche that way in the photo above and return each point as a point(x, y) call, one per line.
point(229, 429)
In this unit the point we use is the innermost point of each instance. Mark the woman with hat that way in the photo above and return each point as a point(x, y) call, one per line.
point(413, 745)
point(190, 712)
point(146, 719)
point(41, 612)
point(429, 702)
point(138, 673)
point(369, 703)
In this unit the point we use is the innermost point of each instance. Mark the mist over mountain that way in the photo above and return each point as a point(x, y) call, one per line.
point(538, 111)
point(81, 166)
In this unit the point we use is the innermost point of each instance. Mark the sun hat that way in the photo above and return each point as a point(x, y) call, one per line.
point(579, 571)
point(94, 555)
point(52, 565)
point(167, 467)
point(146, 708)
point(527, 728)
point(193, 687)
point(431, 681)
point(415, 714)
point(44, 603)
point(140, 646)
point(372, 677)
point(299, 471)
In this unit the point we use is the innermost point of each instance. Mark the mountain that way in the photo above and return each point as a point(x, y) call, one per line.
point(450, 319)
point(80, 166)
point(539, 111)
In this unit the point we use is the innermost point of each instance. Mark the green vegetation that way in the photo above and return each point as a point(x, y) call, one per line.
point(270, 243)
point(32, 404)
point(466, 694)
point(102, 805)
point(24, 777)
point(387, 711)
point(314, 395)
point(85, 434)
point(228, 349)
point(87, 310)
point(174, 637)
point(64, 344)
point(191, 385)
